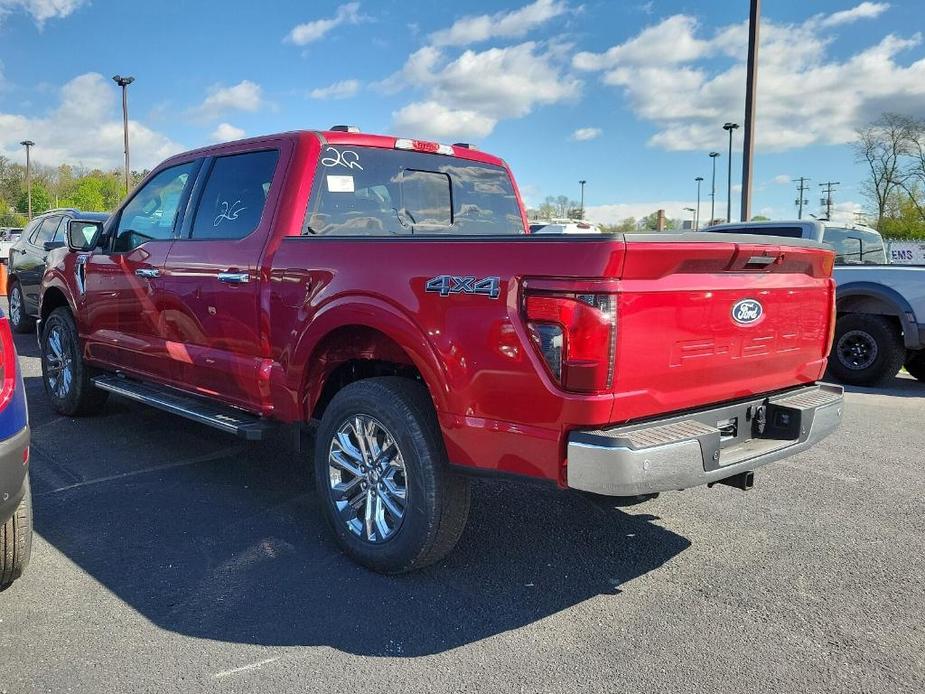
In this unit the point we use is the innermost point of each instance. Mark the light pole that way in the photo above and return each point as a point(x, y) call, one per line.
point(699, 180)
point(124, 82)
point(730, 127)
point(751, 88)
point(693, 212)
point(28, 144)
point(713, 156)
point(582, 207)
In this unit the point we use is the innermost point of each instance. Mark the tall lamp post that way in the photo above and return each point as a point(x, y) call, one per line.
point(729, 127)
point(28, 144)
point(124, 82)
point(699, 180)
point(582, 206)
point(713, 156)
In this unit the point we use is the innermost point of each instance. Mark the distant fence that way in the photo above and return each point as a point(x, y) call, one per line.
point(906, 252)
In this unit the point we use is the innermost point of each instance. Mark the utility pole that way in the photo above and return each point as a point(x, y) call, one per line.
point(713, 156)
point(582, 207)
point(28, 144)
point(729, 127)
point(751, 86)
point(827, 200)
point(801, 190)
point(699, 180)
point(124, 82)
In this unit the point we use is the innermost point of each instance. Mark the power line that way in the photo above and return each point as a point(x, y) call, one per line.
point(800, 201)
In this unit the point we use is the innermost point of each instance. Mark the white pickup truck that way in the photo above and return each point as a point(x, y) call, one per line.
point(881, 307)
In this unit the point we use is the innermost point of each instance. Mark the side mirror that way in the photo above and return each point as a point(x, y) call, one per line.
point(52, 245)
point(83, 235)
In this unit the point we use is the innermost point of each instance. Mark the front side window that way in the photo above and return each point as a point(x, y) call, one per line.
point(152, 213)
point(234, 196)
point(384, 192)
point(46, 232)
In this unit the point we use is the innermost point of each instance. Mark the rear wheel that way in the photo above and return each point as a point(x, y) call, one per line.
point(64, 373)
point(382, 476)
point(915, 364)
point(16, 541)
point(20, 321)
point(867, 350)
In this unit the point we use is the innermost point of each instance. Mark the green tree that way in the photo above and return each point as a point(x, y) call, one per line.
point(41, 200)
point(904, 219)
point(760, 218)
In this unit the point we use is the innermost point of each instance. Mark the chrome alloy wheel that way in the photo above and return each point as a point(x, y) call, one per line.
point(59, 369)
point(16, 305)
point(857, 349)
point(366, 472)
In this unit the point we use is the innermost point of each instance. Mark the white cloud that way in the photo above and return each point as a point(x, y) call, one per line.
point(512, 24)
point(85, 129)
point(478, 89)
point(41, 10)
point(243, 96)
point(432, 119)
point(866, 10)
point(309, 32)
point(781, 180)
point(688, 80)
point(338, 90)
point(585, 134)
point(226, 132)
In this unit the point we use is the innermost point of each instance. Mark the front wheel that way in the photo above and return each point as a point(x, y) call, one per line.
point(20, 321)
point(915, 365)
point(867, 350)
point(382, 476)
point(64, 373)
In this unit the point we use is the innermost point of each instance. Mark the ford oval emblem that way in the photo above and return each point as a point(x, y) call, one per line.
point(747, 311)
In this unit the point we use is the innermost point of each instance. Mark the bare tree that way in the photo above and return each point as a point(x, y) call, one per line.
point(882, 146)
point(913, 181)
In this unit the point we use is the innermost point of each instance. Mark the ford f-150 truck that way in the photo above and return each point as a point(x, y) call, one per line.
point(389, 289)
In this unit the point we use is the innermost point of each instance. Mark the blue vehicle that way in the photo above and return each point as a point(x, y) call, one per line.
point(15, 496)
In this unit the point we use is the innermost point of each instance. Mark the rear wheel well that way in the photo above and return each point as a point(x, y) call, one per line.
point(352, 354)
point(52, 299)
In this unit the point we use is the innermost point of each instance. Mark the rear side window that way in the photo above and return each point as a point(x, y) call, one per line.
point(855, 246)
point(234, 196)
point(46, 232)
point(372, 191)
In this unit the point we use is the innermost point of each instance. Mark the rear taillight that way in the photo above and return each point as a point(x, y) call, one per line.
point(7, 363)
point(576, 334)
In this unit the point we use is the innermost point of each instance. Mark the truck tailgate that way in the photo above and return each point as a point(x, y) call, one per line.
point(705, 322)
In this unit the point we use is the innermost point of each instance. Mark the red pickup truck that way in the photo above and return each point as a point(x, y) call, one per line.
point(390, 289)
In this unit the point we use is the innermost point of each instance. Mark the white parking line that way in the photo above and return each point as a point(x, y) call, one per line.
point(244, 668)
point(183, 463)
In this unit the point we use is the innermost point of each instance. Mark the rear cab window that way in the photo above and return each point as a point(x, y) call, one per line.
point(373, 191)
point(855, 246)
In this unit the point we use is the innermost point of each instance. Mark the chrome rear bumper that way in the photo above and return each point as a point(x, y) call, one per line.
point(702, 446)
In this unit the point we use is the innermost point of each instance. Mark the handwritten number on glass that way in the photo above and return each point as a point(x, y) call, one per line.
point(229, 212)
point(346, 158)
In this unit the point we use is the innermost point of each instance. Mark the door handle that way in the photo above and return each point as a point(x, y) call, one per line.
point(234, 277)
point(147, 272)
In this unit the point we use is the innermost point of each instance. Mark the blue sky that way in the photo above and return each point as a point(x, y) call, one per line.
point(628, 95)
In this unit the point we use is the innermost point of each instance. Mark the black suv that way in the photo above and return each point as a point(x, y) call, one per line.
point(26, 263)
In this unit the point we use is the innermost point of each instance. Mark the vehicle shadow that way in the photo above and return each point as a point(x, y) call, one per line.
point(214, 538)
point(901, 386)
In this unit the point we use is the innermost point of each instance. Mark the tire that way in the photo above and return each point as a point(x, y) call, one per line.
point(16, 541)
point(19, 320)
point(436, 502)
point(915, 365)
point(74, 394)
point(867, 349)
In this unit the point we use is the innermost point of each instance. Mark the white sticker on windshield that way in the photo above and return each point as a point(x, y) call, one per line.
point(340, 184)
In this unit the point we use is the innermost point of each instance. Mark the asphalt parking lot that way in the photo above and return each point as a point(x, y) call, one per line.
point(169, 557)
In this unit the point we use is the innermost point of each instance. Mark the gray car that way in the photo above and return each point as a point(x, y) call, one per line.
point(26, 263)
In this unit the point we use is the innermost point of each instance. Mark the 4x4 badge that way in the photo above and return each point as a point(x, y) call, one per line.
point(444, 285)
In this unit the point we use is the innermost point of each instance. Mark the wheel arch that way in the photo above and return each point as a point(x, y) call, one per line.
point(877, 299)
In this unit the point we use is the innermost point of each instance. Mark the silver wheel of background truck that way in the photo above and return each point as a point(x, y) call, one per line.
point(382, 476)
point(19, 321)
